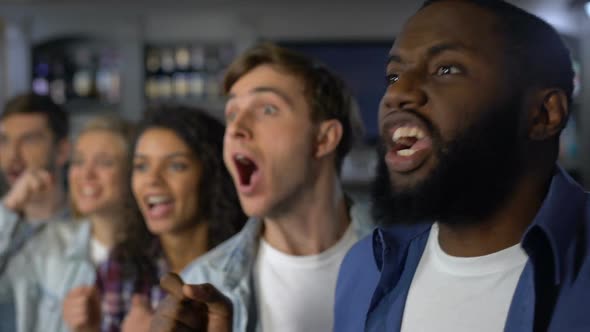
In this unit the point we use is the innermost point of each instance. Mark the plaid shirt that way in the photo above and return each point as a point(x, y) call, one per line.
point(116, 290)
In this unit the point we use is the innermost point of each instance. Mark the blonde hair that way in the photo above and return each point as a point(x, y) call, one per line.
point(117, 126)
point(113, 124)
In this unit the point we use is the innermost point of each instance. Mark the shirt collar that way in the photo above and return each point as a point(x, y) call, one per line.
point(394, 239)
point(360, 219)
point(557, 219)
point(242, 253)
point(80, 245)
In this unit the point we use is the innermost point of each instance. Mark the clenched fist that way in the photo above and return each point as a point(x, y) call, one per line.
point(139, 318)
point(192, 308)
point(81, 309)
point(31, 185)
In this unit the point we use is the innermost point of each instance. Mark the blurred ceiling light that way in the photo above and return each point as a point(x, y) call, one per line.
point(576, 4)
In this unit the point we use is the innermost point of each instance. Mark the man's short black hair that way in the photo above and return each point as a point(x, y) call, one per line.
point(30, 103)
point(536, 53)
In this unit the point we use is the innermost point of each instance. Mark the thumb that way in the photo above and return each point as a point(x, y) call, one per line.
point(93, 291)
point(85, 290)
point(140, 302)
point(77, 291)
point(46, 178)
point(172, 284)
point(207, 293)
point(94, 296)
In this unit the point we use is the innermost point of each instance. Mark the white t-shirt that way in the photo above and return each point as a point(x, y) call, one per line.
point(98, 252)
point(296, 293)
point(462, 294)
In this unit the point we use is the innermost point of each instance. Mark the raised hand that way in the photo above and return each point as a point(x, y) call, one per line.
point(81, 309)
point(192, 308)
point(31, 185)
point(139, 317)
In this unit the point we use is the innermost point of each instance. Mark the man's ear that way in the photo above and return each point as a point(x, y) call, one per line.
point(549, 114)
point(329, 135)
point(62, 150)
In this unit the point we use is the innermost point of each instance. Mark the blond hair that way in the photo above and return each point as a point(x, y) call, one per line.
point(117, 126)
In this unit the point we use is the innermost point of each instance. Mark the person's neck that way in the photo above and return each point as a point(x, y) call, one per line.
point(43, 209)
point(105, 227)
point(505, 227)
point(312, 224)
point(185, 246)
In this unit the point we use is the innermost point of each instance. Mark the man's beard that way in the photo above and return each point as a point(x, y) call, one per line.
point(474, 175)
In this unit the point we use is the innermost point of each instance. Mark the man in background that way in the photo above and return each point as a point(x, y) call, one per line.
point(34, 148)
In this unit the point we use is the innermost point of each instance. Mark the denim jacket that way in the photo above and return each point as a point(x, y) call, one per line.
point(228, 267)
point(15, 232)
point(39, 276)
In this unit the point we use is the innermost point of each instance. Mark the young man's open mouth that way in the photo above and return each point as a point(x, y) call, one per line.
point(248, 173)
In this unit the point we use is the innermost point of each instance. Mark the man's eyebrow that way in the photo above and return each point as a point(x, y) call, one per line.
point(267, 89)
point(432, 51)
point(443, 47)
point(32, 133)
point(394, 58)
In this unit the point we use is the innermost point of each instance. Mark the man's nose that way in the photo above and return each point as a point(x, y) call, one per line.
point(240, 126)
point(406, 93)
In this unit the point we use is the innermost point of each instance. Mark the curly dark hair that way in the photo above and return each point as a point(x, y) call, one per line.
point(203, 134)
point(218, 200)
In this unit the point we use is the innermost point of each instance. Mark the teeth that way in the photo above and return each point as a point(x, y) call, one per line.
point(408, 132)
point(88, 191)
point(406, 152)
point(399, 133)
point(158, 199)
point(242, 159)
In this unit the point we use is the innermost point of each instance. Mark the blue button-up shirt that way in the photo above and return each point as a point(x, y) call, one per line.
point(553, 292)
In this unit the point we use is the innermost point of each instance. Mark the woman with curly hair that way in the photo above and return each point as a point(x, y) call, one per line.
point(188, 203)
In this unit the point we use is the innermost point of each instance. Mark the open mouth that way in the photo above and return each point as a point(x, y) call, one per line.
point(246, 168)
point(158, 205)
point(13, 174)
point(89, 191)
point(410, 145)
point(408, 140)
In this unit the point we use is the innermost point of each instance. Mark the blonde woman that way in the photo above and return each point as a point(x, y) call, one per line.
point(50, 280)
